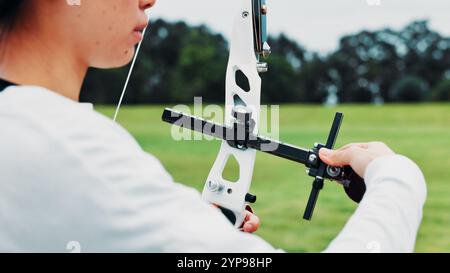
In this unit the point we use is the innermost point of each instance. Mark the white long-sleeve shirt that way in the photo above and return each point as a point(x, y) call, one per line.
point(71, 177)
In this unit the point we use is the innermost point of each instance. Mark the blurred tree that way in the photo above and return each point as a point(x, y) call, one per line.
point(366, 64)
point(314, 80)
point(428, 54)
point(281, 82)
point(409, 89)
point(442, 91)
point(201, 67)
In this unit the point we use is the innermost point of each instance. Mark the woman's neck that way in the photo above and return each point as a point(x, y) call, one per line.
point(34, 56)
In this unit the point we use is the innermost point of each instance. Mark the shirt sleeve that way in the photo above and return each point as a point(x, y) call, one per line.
point(388, 217)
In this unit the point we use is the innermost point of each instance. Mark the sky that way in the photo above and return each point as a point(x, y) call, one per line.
point(315, 24)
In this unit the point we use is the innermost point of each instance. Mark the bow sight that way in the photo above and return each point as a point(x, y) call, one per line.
point(239, 134)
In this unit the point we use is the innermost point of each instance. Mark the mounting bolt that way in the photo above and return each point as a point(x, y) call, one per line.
point(262, 67)
point(240, 147)
point(215, 186)
point(312, 159)
point(245, 14)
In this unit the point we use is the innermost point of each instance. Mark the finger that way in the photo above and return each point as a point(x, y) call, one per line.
point(326, 152)
point(362, 145)
point(251, 223)
point(339, 157)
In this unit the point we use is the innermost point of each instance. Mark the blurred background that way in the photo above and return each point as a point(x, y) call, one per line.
point(366, 51)
point(384, 63)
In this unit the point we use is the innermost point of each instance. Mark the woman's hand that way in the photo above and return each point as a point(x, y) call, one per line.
point(356, 155)
point(251, 221)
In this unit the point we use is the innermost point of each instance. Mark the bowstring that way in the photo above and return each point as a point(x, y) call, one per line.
point(130, 72)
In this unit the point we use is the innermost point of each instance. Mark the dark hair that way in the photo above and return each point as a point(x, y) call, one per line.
point(9, 10)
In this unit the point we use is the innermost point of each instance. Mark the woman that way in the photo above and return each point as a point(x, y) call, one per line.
point(71, 174)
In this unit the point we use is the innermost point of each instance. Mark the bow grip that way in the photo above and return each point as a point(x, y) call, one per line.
point(354, 185)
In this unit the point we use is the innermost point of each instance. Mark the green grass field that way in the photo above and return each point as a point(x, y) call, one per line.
point(422, 132)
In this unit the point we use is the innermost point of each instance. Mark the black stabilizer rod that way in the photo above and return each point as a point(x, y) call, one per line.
point(319, 180)
point(266, 145)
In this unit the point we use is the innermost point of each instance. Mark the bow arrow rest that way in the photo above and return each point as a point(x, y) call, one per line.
point(239, 134)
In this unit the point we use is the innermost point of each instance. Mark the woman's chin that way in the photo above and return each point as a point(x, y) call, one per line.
point(127, 57)
point(118, 61)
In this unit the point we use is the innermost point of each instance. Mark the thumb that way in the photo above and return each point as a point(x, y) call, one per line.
point(337, 158)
